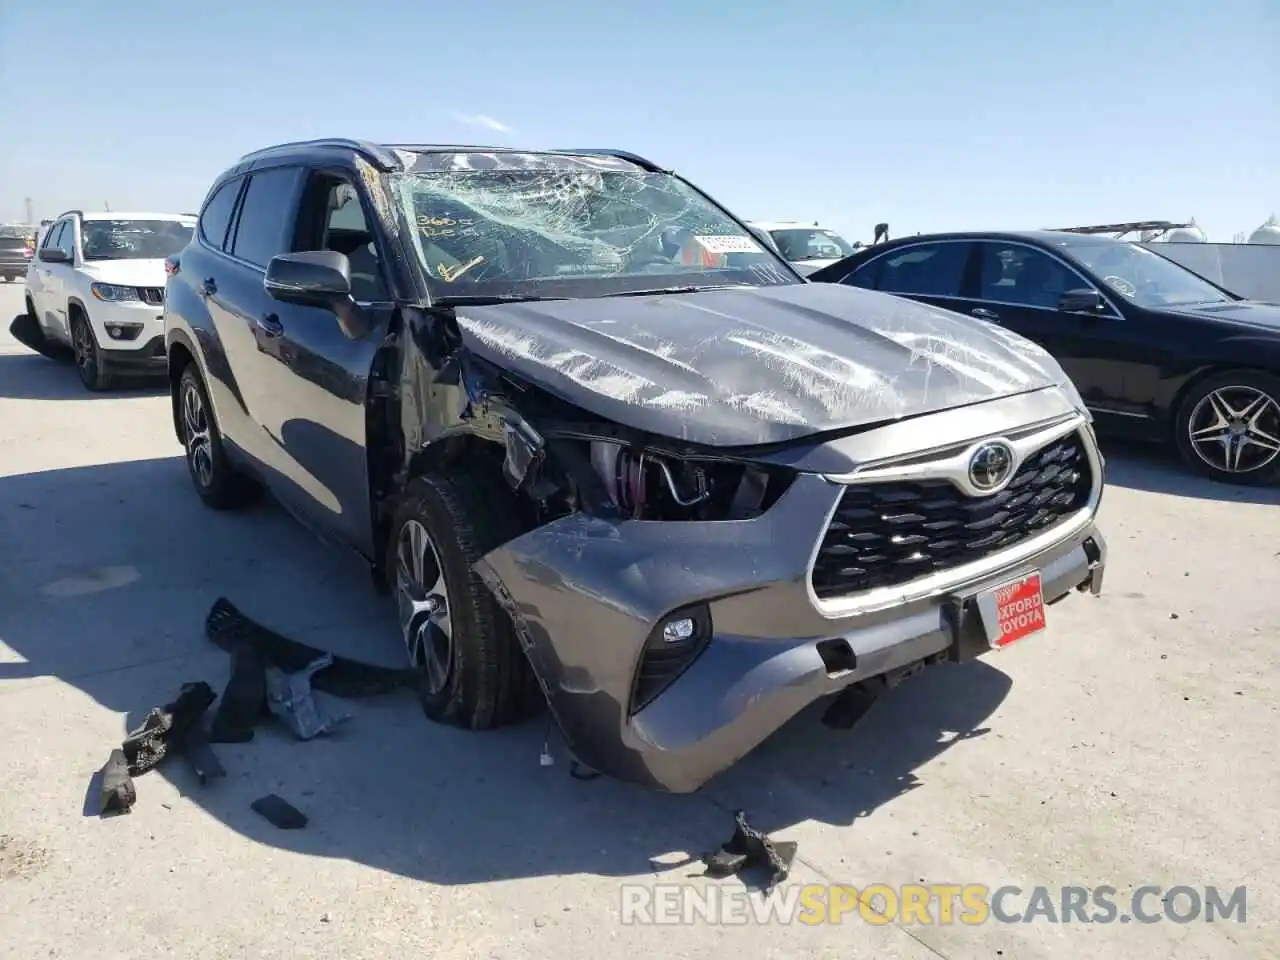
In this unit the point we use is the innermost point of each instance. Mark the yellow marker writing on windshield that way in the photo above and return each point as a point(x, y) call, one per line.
point(451, 275)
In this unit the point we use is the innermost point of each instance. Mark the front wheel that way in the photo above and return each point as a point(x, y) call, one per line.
point(1228, 428)
point(473, 672)
point(88, 355)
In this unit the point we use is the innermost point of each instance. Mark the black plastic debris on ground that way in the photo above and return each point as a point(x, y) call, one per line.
point(226, 626)
point(750, 850)
point(244, 700)
point(165, 731)
point(279, 812)
point(116, 792)
point(165, 728)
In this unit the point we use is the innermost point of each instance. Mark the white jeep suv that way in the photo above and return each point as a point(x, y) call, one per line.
point(96, 285)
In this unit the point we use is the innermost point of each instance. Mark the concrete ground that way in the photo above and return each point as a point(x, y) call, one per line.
point(1132, 744)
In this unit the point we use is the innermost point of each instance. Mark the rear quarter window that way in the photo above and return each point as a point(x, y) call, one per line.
point(216, 216)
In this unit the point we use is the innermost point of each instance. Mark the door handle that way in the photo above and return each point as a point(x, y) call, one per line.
point(982, 313)
point(208, 288)
point(269, 324)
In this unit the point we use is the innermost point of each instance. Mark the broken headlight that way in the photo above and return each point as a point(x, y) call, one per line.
point(644, 485)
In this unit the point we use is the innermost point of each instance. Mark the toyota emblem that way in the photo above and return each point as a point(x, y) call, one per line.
point(990, 466)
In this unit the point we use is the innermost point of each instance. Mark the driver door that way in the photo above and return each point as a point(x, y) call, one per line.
point(320, 378)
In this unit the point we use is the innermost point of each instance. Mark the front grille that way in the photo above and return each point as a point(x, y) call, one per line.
point(884, 534)
point(152, 295)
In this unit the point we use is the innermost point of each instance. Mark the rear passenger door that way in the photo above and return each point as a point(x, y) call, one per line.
point(932, 272)
point(232, 285)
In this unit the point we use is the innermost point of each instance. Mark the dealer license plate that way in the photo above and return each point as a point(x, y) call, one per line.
point(1012, 610)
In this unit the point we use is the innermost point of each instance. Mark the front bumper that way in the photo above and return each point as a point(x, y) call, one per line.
point(148, 358)
point(586, 594)
point(127, 327)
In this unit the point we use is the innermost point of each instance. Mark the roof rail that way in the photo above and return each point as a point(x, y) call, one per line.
point(69, 213)
point(620, 154)
point(379, 156)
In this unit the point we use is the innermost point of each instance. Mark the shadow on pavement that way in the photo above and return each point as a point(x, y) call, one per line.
point(30, 376)
point(1157, 469)
point(105, 582)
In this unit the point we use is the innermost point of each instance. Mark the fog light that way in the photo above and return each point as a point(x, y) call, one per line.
point(114, 332)
point(678, 631)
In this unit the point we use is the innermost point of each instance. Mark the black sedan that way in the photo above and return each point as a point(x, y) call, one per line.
point(1156, 351)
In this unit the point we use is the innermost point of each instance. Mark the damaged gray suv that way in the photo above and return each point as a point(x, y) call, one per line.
point(607, 450)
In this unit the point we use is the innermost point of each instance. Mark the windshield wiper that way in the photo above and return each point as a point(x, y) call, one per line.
point(486, 300)
point(688, 289)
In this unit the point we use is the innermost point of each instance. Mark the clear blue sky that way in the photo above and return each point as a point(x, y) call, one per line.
point(928, 114)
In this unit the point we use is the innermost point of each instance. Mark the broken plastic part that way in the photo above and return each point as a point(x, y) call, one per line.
point(165, 728)
point(290, 698)
point(524, 450)
point(279, 812)
point(244, 701)
point(203, 761)
point(226, 626)
point(116, 792)
point(749, 848)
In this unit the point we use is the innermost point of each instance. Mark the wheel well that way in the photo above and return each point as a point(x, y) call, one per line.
point(179, 358)
point(76, 308)
point(466, 451)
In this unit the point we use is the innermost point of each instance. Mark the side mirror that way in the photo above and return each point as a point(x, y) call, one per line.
point(315, 278)
point(53, 255)
point(1081, 301)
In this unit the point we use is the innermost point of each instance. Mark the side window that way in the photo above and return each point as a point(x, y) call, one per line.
point(926, 269)
point(216, 216)
point(865, 276)
point(332, 218)
point(266, 216)
point(51, 238)
point(67, 238)
point(1024, 276)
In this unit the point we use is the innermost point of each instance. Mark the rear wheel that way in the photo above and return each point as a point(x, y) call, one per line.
point(215, 479)
point(1228, 428)
point(88, 355)
point(473, 671)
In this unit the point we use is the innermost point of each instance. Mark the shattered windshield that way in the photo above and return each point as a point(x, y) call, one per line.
point(811, 244)
point(133, 239)
point(580, 226)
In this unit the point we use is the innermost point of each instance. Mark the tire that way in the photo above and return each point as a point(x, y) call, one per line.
point(486, 681)
point(1240, 403)
point(88, 355)
point(216, 481)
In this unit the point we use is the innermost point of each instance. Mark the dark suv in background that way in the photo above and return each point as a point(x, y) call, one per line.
point(17, 246)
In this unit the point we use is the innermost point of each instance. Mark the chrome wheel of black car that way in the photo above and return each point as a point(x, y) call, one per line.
point(195, 431)
point(1235, 429)
point(423, 600)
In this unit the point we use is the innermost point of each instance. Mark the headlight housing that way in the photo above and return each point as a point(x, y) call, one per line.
point(114, 292)
point(644, 485)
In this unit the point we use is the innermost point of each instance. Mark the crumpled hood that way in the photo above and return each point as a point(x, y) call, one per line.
point(759, 365)
point(127, 273)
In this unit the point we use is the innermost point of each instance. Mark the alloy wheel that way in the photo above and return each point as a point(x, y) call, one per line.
point(1235, 429)
point(86, 351)
point(423, 602)
point(195, 423)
